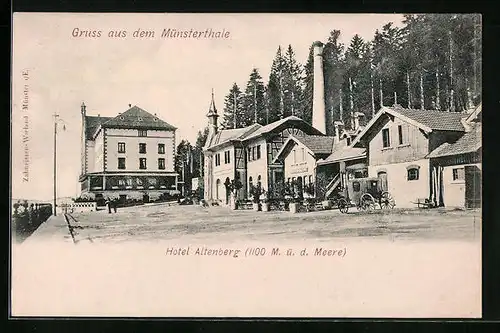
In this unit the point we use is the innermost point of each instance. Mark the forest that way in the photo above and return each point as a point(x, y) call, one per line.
point(431, 62)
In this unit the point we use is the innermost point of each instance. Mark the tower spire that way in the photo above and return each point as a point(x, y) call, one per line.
point(212, 109)
point(212, 116)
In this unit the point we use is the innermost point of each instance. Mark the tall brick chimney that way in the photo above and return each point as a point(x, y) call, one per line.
point(318, 112)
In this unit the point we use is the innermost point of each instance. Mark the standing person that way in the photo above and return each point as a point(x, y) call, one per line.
point(115, 205)
point(108, 204)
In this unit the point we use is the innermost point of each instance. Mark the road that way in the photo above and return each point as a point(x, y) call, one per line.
point(158, 222)
point(400, 263)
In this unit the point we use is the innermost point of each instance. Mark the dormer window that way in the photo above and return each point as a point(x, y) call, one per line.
point(121, 118)
point(142, 133)
point(140, 119)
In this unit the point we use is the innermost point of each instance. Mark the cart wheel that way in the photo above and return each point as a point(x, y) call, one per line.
point(367, 202)
point(343, 205)
point(387, 201)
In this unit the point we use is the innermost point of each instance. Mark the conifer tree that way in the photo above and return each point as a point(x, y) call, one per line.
point(233, 116)
point(275, 91)
point(254, 107)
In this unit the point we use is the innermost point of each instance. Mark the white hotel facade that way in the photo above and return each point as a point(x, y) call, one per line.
point(131, 154)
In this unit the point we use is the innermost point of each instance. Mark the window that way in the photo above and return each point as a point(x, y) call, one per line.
point(161, 163)
point(249, 154)
point(217, 159)
point(142, 148)
point(227, 157)
point(161, 148)
point(121, 182)
point(258, 152)
point(459, 174)
point(121, 147)
point(142, 163)
point(310, 179)
point(142, 133)
point(121, 163)
point(294, 157)
point(413, 173)
point(400, 134)
point(386, 142)
point(356, 186)
point(129, 181)
point(254, 151)
point(348, 141)
point(303, 152)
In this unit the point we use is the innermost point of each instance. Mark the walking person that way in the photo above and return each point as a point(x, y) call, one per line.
point(108, 204)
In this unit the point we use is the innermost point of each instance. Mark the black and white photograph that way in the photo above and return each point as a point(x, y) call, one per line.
point(246, 165)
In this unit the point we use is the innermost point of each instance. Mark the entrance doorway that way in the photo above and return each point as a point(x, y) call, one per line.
point(472, 187)
point(382, 175)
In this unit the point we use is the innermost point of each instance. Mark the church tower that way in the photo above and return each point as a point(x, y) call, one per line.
point(208, 157)
point(212, 118)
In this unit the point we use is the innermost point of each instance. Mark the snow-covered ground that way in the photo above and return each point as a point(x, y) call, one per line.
point(400, 263)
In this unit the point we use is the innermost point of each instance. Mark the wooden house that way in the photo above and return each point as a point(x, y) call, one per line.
point(299, 155)
point(397, 143)
point(456, 168)
point(246, 154)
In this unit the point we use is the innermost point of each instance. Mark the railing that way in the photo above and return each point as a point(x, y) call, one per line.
point(79, 207)
point(333, 184)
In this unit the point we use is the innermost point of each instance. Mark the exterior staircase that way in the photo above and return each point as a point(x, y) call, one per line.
point(333, 184)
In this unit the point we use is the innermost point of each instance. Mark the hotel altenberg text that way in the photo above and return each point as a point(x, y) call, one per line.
point(253, 252)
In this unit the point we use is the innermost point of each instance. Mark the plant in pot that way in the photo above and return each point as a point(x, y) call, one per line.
point(294, 204)
point(309, 196)
point(255, 191)
point(234, 187)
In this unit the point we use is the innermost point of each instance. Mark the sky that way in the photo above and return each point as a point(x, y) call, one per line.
point(171, 77)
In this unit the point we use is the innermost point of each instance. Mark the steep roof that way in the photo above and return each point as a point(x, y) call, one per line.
point(435, 120)
point(227, 135)
point(427, 120)
point(135, 117)
point(92, 123)
point(317, 144)
point(470, 142)
point(280, 123)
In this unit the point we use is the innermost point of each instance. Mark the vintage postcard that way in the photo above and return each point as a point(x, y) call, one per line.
point(246, 165)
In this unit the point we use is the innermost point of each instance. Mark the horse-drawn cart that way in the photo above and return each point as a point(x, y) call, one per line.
point(364, 194)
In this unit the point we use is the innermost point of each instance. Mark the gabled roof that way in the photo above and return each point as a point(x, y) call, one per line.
point(470, 142)
point(315, 144)
point(281, 124)
point(475, 114)
point(92, 123)
point(426, 120)
point(228, 135)
point(137, 118)
point(342, 152)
